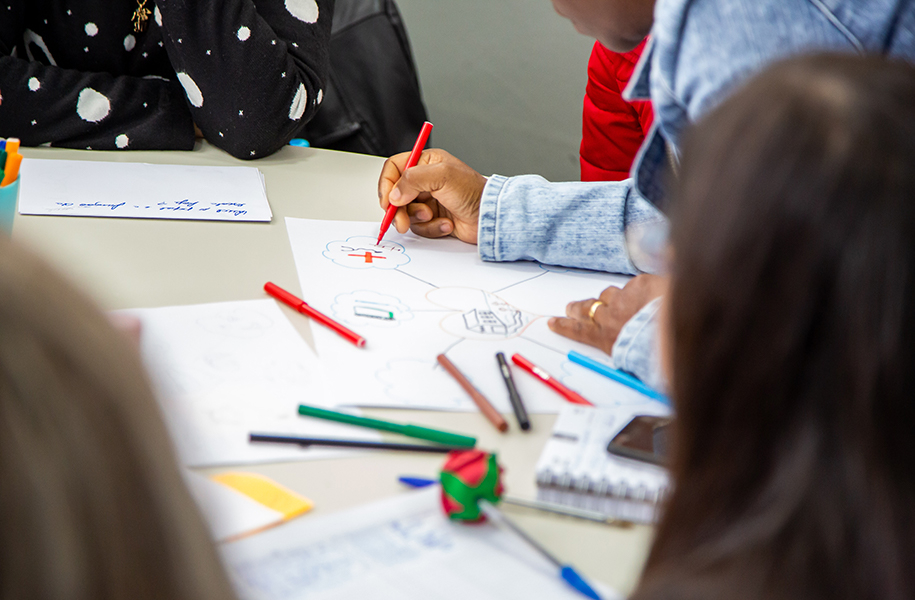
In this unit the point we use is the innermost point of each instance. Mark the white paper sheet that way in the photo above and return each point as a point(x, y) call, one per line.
point(228, 513)
point(414, 298)
point(141, 191)
point(225, 370)
point(396, 549)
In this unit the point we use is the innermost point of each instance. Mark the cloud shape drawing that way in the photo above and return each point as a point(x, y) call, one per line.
point(411, 381)
point(363, 307)
point(361, 252)
point(479, 315)
point(238, 323)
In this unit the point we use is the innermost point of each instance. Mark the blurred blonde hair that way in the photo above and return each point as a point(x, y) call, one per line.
point(92, 504)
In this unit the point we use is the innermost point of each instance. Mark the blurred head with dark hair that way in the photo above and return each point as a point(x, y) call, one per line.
point(791, 341)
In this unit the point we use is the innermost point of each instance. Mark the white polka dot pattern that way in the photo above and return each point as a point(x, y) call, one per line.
point(299, 102)
point(303, 10)
point(92, 106)
point(190, 88)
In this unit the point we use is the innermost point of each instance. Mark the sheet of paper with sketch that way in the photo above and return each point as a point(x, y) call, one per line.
point(402, 547)
point(414, 298)
point(226, 369)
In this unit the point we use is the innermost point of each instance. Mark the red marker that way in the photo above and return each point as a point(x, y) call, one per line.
point(301, 306)
point(548, 379)
point(411, 162)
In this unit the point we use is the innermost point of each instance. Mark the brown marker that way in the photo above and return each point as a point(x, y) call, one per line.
point(479, 399)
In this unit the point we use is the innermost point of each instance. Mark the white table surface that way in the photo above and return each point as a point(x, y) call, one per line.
point(131, 263)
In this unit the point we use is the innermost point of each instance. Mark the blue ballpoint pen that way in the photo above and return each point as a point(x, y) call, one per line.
point(617, 376)
point(565, 571)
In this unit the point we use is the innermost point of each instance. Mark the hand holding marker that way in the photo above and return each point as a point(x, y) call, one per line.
point(412, 161)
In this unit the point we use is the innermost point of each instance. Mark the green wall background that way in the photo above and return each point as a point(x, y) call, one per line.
point(503, 82)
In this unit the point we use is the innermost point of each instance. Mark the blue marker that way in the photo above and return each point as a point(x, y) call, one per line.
point(617, 376)
point(416, 482)
point(565, 571)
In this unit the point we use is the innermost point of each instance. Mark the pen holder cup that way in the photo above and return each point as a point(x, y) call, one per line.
point(9, 195)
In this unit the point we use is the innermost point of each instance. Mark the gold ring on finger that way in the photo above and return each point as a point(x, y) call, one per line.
point(594, 306)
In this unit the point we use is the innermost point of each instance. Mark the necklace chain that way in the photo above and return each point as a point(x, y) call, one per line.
point(140, 16)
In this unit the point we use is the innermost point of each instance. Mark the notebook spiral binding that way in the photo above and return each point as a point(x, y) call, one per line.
point(615, 499)
point(576, 470)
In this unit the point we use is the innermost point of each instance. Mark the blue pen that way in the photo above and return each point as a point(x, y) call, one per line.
point(416, 482)
point(617, 376)
point(565, 571)
point(495, 515)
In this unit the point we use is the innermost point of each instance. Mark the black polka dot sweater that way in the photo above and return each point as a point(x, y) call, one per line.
point(248, 73)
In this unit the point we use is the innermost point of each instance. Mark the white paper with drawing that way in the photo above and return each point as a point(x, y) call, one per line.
point(224, 370)
point(142, 191)
point(402, 547)
point(414, 298)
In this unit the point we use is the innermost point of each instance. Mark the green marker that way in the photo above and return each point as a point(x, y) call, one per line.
point(413, 431)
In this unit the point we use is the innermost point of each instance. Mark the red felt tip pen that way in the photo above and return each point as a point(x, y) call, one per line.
point(301, 306)
point(548, 379)
point(421, 140)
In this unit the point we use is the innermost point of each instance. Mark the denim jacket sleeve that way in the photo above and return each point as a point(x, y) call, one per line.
point(574, 224)
point(636, 348)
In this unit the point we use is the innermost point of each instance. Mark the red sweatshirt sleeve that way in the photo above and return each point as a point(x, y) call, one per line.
point(612, 129)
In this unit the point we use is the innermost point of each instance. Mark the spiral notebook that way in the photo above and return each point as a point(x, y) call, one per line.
point(576, 470)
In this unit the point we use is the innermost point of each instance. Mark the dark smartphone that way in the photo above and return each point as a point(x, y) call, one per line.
point(644, 438)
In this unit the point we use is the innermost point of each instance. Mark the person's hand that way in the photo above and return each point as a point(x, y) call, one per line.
point(439, 196)
point(616, 307)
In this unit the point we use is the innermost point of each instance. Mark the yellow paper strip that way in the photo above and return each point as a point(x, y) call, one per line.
point(267, 492)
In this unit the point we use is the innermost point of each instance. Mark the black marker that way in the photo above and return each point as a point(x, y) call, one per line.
point(517, 405)
point(307, 441)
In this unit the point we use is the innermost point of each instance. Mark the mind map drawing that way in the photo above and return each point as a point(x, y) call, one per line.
point(361, 252)
point(480, 315)
point(371, 309)
point(426, 297)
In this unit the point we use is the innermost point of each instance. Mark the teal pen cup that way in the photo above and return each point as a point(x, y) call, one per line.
point(8, 196)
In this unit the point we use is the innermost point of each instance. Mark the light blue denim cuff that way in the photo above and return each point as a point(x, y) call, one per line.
point(636, 349)
point(571, 224)
point(486, 229)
